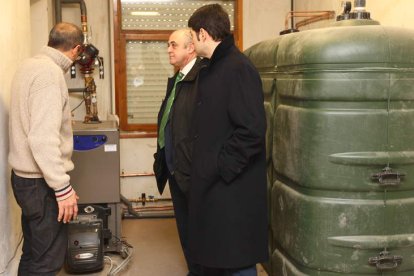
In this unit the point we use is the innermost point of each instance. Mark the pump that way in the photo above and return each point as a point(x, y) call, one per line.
point(86, 62)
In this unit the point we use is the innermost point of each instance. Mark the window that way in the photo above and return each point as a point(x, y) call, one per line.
point(142, 28)
point(147, 71)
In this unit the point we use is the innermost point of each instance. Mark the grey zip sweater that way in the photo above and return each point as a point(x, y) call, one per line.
point(41, 138)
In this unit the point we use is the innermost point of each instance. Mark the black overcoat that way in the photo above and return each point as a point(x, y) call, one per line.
point(179, 125)
point(228, 202)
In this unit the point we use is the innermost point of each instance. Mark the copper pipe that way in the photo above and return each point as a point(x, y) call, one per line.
point(314, 19)
point(292, 8)
point(90, 101)
point(84, 21)
point(155, 207)
point(136, 174)
point(149, 200)
point(149, 209)
point(312, 14)
point(133, 213)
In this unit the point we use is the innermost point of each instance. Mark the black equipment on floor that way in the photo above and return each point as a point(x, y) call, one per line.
point(85, 252)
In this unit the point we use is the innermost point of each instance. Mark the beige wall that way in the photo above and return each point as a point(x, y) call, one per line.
point(263, 19)
point(41, 21)
point(14, 46)
point(389, 13)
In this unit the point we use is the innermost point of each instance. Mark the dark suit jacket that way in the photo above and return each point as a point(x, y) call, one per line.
point(177, 131)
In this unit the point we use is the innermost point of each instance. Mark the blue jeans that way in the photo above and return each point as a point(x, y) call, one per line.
point(45, 239)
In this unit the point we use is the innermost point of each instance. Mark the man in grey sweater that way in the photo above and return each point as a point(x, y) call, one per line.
point(41, 144)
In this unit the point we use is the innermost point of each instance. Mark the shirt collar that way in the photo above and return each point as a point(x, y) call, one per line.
point(188, 67)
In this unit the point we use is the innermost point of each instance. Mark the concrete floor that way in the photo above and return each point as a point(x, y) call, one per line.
point(157, 250)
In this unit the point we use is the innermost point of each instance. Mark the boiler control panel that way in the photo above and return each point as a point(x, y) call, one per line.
point(88, 142)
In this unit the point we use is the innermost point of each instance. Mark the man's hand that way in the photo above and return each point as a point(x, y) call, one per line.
point(68, 208)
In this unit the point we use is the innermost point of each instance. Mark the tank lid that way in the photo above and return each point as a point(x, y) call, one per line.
point(347, 6)
point(288, 31)
point(358, 13)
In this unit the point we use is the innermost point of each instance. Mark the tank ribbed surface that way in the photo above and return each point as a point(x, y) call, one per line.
point(340, 106)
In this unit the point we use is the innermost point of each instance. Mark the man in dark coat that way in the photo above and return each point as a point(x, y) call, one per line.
point(173, 158)
point(228, 202)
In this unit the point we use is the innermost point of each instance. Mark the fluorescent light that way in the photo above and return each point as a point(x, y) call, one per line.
point(145, 13)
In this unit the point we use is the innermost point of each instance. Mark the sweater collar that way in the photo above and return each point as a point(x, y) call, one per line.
point(58, 57)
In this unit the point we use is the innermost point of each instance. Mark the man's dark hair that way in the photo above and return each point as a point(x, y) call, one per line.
point(212, 18)
point(65, 36)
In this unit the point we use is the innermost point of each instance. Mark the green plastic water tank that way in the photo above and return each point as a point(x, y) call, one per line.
point(264, 56)
point(342, 199)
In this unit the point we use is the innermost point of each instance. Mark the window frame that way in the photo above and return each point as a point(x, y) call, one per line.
point(120, 39)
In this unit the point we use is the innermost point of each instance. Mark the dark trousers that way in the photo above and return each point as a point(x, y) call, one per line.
point(45, 239)
point(245, 271)
point(180, 202)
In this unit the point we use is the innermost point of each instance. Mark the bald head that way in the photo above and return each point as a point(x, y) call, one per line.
point(185, 34)
point(181, 48)
point(65, 36)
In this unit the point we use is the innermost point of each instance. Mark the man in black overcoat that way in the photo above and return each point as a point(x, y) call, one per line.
point(173, 159)
point(228, 202)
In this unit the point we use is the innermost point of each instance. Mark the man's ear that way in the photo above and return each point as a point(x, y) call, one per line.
point(79, 49)
point(75, 51)
point(191, 48)
point(203, 34)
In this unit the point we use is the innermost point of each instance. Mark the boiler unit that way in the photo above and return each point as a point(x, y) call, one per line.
point(96, 176)
point(96, 158)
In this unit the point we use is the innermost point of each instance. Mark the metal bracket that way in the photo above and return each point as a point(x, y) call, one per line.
point(385, 261)
point(73, 71)
point(387, 177)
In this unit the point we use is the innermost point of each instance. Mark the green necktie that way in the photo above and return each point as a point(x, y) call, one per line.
point(164, 119)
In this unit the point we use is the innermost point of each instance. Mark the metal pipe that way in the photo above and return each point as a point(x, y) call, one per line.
point(84, 19)
point(91, 105)
point(58, 8)
point(77, 90)
point(149, 199)
point(86, 63)
point(131, 213)
point(58, 11)
point(292, 8)
point(153, 215)
point(131, 210)
point(314, 19)
point(154, 208)
point(80, 2)
point(136, 174)
point(324, 14)
point(359, 4)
